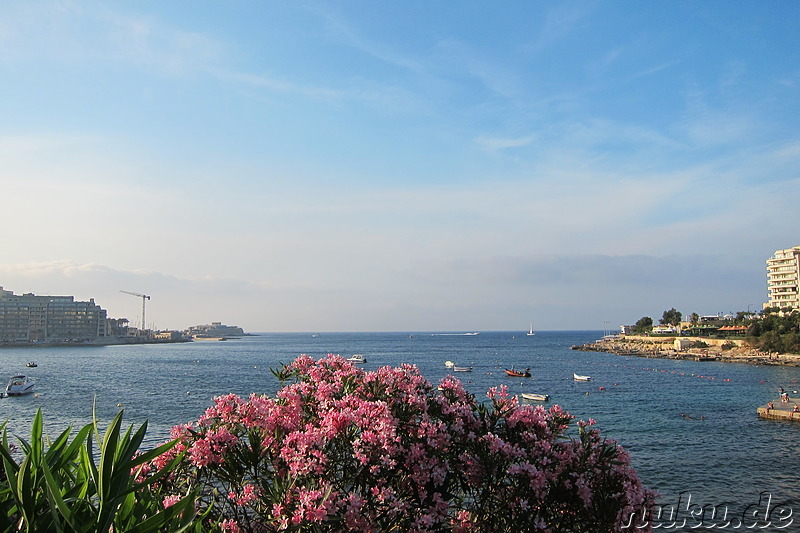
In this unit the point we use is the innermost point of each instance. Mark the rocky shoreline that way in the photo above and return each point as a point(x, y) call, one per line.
point(731, 351)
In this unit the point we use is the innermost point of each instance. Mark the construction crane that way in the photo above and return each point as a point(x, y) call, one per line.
point(144, 298)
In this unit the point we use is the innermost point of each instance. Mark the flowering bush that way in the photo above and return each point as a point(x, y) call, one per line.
point(341, 449)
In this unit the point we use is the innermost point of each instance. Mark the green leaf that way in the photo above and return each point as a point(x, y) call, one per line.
point(56, 500)
point(107, 455)
point(25, 496)
point(148, 456)
point(36, 436)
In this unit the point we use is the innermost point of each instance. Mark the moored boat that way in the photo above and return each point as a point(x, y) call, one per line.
point(519, 373)
point(535, 397)
point(19, 385)
point(357, 359)
point(577, 377)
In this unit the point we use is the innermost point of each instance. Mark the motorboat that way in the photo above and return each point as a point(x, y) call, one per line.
point(535, 397)
point(519, 373)
point(455, 368)
point(577, 377)
point(19, 385)
point(357, 359)
point(31, 364)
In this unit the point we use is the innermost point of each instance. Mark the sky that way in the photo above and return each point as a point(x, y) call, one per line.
point(398, 165)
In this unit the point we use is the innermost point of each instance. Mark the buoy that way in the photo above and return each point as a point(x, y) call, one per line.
point(601, 388)
point(119, 405)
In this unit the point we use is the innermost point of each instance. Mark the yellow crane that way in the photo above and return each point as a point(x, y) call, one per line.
point(144, 298)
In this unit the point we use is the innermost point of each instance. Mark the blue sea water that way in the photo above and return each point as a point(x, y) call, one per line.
point(724, 455)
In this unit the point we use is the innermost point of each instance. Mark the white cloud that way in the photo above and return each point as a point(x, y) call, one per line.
point(497, 144)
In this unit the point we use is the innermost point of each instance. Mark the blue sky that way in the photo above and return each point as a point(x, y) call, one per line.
point(371, 166)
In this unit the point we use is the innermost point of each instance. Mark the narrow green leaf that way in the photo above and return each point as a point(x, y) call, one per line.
point(149, 455)
point(135, 441)
point(36, 436)
point(54, 496)
point(107, 452)
point(11, 470)
point(25, 496)
point(87, 461)
point(72, 450)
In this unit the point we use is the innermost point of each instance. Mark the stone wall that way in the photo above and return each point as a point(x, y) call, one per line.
point(671, 340)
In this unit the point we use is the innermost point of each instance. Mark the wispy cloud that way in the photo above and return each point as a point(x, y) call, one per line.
point(498, 144)
point(562, 20)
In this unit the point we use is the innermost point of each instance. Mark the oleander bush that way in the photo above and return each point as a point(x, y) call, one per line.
point(341, 449)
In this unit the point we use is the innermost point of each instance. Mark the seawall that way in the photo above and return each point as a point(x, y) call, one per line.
point(678, 347)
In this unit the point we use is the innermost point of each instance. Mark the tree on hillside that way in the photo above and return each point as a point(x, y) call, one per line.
point(695, 318)
point(775, 332)
point(671, 317)
point(643, 325)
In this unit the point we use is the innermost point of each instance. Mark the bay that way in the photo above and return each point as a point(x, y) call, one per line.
point(691, 427)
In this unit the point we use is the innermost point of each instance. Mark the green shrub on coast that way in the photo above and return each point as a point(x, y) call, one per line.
point(86, 483)
point(776, 332)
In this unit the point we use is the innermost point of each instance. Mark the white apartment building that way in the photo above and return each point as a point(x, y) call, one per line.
point(783, 278)
point(31, 318)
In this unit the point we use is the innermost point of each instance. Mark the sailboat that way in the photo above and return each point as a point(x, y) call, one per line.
point(531, 330)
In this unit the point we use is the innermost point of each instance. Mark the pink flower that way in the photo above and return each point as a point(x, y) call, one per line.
point(229, 526)
point(171, 500)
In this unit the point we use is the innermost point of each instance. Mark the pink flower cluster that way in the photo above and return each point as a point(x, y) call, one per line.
point(349, 450)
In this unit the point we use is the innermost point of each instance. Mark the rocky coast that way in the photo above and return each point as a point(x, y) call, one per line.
point(689, 348)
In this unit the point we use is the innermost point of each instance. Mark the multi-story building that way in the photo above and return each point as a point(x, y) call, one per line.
point(215, 329)
point(31, 318)
point(783, 278)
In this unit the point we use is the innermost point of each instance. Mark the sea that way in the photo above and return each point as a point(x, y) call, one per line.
point(691, 427)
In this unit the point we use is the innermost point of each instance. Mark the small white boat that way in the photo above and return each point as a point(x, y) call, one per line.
point(357, 359)
point(535, 397)
point(455, 368)
point(577, 377)
point(531, 330)
point(19, 385)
